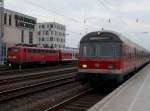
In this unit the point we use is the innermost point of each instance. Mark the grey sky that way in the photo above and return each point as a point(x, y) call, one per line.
point(94, 13)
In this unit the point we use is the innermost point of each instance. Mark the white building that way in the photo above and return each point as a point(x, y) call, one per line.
point(51, 34)
point(19, 28)
point(16, 28)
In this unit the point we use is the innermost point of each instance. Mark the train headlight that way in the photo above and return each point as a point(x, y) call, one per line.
point(84, 66)
point(110, 66)
point(9, 57)
point(14, 57)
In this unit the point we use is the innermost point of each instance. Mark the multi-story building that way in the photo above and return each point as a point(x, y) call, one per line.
point(51, 34)
point(15, 28)
point(19, 28)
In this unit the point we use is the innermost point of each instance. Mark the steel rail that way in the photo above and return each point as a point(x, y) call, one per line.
point(59, 80)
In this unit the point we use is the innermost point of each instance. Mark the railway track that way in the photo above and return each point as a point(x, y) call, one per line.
point(79, 99)
point(8, 70)
point(4, 68)
point(38, 83)
point(83, 100)
point(7, 79)
point(38, 100)
point(24, 90)
point(79, 102)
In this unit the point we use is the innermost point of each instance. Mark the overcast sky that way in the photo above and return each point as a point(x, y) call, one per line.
point(130, 17)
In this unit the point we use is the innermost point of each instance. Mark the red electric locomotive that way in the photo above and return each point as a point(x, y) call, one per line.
point(106, 55)
point(20, 55)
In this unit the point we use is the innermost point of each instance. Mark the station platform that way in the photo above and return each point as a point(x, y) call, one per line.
point(133, 95)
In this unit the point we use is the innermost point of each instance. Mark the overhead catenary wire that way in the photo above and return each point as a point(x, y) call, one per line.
point(110, 11)
point(57, 13)
point(47, 17)
point(52, 11)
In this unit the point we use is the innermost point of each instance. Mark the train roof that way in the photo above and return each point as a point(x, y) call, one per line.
point(107, 36)
point(76, 50)
point(28, 47)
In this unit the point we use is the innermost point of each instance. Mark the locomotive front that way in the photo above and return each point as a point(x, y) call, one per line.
point(100, 56)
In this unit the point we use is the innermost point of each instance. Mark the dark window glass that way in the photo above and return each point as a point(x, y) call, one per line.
point(100, 49)
point(51, 38)
point(49, 51)
point(43, 39)
point(46, 32)
point(51, 25)
point(43, 26)
point(14, 49)
point(22, 36)
point(9, 20)
point(29, 50)
point(34, 50)
point(39, 33)
point(30, 37)
point(5, 18)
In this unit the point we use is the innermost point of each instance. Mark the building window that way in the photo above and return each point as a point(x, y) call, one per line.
point(55, 32)
point(9, 20)
point(51, 25)
point(43, 39)
point(51, 38)
point(51, 32)
point(59, 33)
point(46, 32)
point(30, 37)
point(47, 25)
point(57, 39)
point(39, 33)
point(39, 26)
point(43, 26)
point(5, 18)
point(24, 22)
point(22, 36)
point(55, 46)
point(43, 32)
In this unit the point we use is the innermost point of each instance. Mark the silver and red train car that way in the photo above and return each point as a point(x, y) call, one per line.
point(21, 55)
point(105, 55)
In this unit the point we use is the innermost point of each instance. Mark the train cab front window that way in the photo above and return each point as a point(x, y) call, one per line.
point(13, 50)
point(100, 49)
